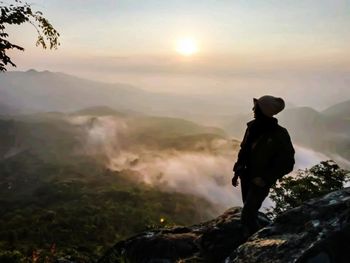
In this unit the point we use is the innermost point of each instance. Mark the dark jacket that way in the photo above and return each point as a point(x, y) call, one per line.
point(266, 151)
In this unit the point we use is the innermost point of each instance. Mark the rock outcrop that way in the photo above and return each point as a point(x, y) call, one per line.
point(316, 232)
point(212, 241)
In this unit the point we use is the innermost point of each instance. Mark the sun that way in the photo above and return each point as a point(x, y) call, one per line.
point(187, 46)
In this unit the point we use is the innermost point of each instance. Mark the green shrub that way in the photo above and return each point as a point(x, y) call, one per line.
point(292, 190)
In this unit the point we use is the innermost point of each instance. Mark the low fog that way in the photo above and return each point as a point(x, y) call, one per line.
point(203, 173)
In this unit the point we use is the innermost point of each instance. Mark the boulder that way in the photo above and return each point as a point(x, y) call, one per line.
point(316, 232)
point(212, 241)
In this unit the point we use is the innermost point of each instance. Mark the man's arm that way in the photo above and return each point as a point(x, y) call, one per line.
point(240, 164)
point(242, 154)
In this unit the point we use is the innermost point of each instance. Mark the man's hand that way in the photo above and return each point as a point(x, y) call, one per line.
point(258, 181)
point(235, 180)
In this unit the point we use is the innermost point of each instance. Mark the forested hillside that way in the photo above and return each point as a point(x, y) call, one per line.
point(73, 184)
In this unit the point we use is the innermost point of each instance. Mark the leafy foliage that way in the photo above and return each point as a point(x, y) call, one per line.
point(58, 204)
point(293, 190)
point(20, 13)
point(81, 210)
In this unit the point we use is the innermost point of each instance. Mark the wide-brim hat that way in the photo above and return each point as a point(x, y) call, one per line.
point(269, 105)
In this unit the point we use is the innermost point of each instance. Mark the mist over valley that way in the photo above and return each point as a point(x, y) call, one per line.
point(146, 133)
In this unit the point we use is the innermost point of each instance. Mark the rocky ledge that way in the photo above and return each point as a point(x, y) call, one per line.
point(316, 232)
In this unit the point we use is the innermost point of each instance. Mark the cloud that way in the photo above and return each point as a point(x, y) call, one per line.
point(103, 135)
point(202, 174)
point(206, 173)
point(306, 158)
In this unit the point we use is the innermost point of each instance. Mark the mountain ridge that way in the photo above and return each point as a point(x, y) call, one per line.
point(341, 110)
point(49, 91)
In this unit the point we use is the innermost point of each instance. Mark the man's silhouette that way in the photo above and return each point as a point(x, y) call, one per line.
point(266, 155)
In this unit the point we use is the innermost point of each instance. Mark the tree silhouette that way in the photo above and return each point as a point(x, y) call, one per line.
point(293, 190)
point(20, 13)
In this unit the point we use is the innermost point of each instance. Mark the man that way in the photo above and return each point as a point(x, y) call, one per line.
point(266, 155)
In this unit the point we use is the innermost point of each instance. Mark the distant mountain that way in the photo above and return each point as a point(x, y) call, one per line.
point(48, 91)
point(6, 109)
point(305, 124)
point(57, 134)
point(327, 131)
point(340, 110)
point(167, 127)
point(34, 91)
point(99, 111)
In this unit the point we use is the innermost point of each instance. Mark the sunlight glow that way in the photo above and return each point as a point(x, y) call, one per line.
point(187, 46)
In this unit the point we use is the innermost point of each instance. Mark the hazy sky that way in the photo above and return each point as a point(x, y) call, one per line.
point(118, 40)
point(125, 27)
